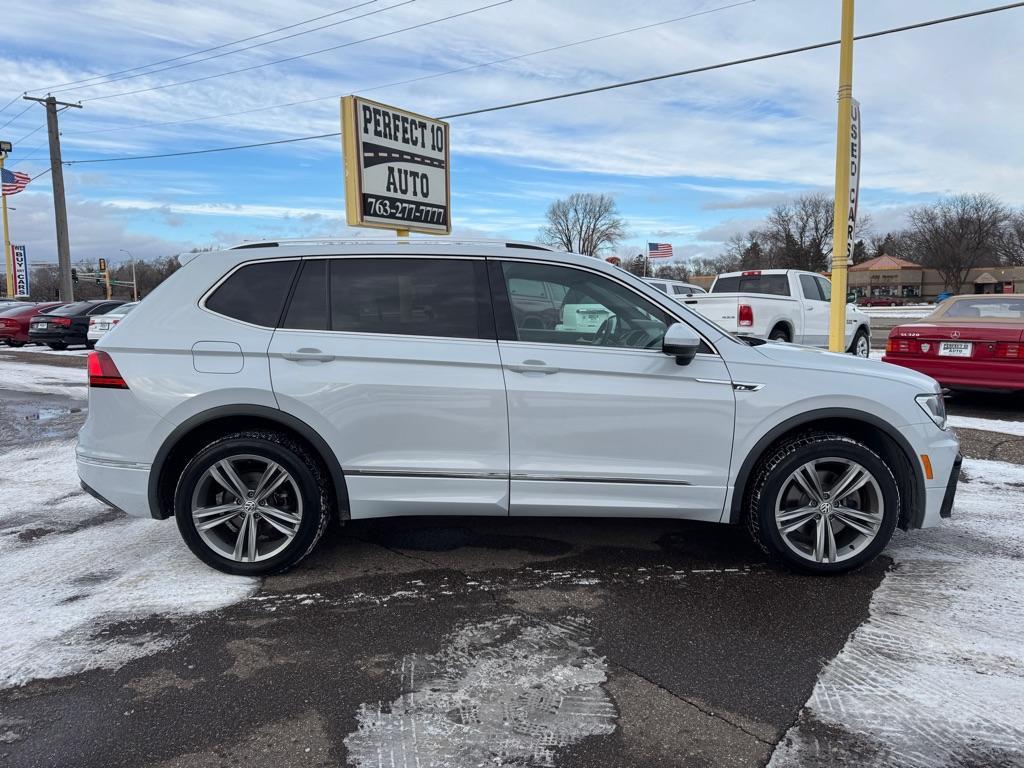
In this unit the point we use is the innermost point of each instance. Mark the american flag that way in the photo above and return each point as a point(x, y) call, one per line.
point(14, 181)
point(659, 251)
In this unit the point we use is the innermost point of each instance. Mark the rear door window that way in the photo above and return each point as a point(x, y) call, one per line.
point(418, 297)
point(810, 288)
point(309, 308)
point(255, 293)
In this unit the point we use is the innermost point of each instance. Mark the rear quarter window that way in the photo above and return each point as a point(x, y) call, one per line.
point(255, 293)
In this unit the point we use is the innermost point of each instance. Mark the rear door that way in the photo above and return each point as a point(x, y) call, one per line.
point(393, 360)
point(816, 311)
point(601, 422)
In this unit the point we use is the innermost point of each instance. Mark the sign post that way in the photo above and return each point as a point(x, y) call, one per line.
point(397, 168)
point(847, 176)
point(21, 280)
point(5, 148)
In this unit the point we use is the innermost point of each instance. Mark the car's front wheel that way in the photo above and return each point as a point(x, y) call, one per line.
point(252, 503)
point(861, 344)
point(822, 503)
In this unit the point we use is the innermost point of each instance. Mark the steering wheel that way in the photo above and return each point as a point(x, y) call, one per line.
point(607, 332)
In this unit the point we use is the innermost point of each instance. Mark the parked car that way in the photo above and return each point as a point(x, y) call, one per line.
point(14, 321)
point(67, 325)
point(968, 342)
point(6, 304)
point(272, 387)
point(780, 305)
point(100, 324)
point(674, 287)
point(879, 301)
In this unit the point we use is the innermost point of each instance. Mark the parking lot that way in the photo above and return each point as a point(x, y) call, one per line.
point(472, 641)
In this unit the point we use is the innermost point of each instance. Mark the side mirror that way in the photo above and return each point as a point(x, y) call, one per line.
point(851, 298)
point(682, 342)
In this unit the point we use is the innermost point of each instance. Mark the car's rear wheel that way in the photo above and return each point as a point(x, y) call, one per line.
point(779, 333)
point(861, 344)
point(15, 344)
point(823, 503)
point(252, 503)
point(57, 346)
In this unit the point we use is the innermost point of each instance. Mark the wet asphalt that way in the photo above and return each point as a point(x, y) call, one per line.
point(709, 652)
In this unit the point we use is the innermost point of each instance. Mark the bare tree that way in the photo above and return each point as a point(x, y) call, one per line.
point(584, 222)
point(1011, 244)
point(957, 234)
point(676, 270)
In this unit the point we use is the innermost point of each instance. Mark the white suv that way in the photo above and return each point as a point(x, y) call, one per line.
point(264, 389)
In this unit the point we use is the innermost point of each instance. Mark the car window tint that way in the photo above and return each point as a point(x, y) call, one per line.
point(308, 309)
point(255, 293)
point(595, 310)
point(418, 297)
point(810, 289)
point(773, 285)
point(70, 310)
point(660, 286)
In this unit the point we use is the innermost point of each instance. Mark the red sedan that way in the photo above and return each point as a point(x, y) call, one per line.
point(968, 342)
point(14, 322)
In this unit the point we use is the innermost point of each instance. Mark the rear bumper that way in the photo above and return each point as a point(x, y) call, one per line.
point(125, 485)
point(988, 375)
point(62, 337)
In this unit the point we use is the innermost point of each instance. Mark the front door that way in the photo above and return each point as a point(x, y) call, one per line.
point(601, 422)
point(394, 362)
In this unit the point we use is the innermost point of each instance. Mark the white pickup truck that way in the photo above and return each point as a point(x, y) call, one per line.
point(781, 305)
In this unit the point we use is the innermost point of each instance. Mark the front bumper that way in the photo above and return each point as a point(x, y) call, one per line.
point(943, 452)
point(946, 510)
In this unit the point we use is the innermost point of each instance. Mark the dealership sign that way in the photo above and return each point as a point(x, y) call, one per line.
point(21, 286)
point(851, 219)
point(396, 168)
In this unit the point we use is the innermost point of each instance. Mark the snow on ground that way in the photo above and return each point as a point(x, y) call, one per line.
point(1015, 428)
point(43, 379)
point(36, 349)
point(900, 312)
point(511, 686)
point(85, 587)
point(935, 676)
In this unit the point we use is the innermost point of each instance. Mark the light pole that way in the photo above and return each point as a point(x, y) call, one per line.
point(135, 285)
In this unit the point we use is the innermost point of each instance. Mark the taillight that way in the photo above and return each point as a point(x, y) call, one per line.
point(745, 315)
point(92, 321)
point(1009, 351)
point(103, 373)
point(903, 346)
point(60, 320)
point(752, 273)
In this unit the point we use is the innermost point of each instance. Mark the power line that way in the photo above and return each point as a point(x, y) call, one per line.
point(420, 78)
point(302, 55)
point(26, 109)
point(5, 106)
point(611, 86)
point(241, 50)
point(204, 50)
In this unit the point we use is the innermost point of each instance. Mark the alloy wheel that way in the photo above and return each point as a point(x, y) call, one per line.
point(862, 347)
point(829, 510)
point(246, 508)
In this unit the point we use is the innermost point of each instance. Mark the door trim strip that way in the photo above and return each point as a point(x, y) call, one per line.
point(572, 479)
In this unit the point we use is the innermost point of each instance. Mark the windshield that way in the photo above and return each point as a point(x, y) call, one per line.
point(774, 285)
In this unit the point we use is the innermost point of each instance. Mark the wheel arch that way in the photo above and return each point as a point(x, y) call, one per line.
point(201, 428)
point(869, 429)
point(786, 325)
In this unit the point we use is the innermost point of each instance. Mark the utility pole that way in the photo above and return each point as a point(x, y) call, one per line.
point(842, 211)
point(5, 148)
point(60, 208)
point(135, 285)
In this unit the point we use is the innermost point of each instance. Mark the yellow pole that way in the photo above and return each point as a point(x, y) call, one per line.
point(8, 259)
point(837, 314)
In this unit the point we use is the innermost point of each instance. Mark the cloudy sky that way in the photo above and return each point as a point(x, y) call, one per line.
point(690, 160)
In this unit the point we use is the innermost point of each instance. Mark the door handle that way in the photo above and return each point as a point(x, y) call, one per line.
point(533, 366)
point(307, 354)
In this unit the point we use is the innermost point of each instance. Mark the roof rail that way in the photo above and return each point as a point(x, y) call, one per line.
point(390, 241)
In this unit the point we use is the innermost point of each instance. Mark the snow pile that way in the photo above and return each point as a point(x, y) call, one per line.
point(85, 587)
point(43, 379)
point(987, 425)
point(935, 676)
point(500, 692)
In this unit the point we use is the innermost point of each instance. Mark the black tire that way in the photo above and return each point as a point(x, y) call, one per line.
point(57, 346)
point(857, 337)
point(308, 473)
point(15, 344)
point(777, 466)
point(779, 333)
point(90, 344)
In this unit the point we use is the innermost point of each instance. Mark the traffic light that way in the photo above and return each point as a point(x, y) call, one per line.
point(103, 265)
point(74, 275)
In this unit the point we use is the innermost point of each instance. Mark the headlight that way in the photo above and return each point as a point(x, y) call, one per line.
point(935, 407)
